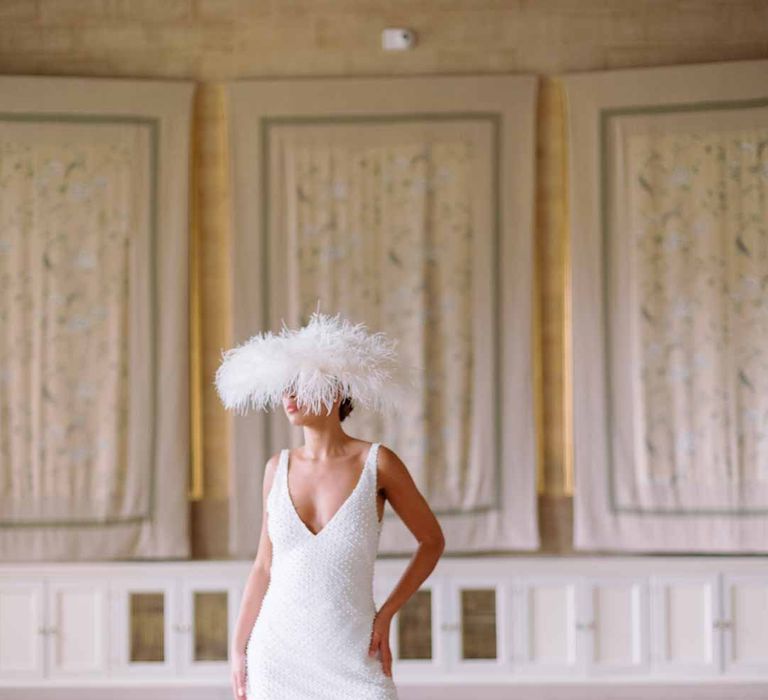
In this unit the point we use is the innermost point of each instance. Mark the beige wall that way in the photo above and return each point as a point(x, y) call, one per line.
point(215, 40)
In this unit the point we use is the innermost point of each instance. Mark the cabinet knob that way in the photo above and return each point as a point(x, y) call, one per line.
point(585, 625)
point(450, 626)
point(722, 624)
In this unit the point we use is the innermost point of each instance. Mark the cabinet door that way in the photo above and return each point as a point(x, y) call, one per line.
point(417, 640)
point(685, 614)
point(545, 630)
point(613, 625)
point(478, 620)
point(208, 610)
point(78, 632)
point(22, 630)
point(143, 612)
point(745, 624)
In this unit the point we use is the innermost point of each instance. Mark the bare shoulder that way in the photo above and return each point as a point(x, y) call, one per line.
point(392, 469)
point(388, 457)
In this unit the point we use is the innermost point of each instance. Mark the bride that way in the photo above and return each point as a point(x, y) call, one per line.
point(307, 624)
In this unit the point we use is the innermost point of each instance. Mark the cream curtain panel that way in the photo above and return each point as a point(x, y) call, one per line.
point(93, 319)
point(390, 216)
point(669, 182)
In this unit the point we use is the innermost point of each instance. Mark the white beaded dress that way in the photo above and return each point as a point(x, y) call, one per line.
point(311, 637)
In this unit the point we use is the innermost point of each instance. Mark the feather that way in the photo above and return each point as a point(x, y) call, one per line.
point(314, 362)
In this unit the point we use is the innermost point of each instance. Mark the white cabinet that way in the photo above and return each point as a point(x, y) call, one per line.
point(581, 625)
point(54, 629)
point(174, 626)
point(744, 625)
point(22, 629)
point(76, 628)
point(685, 624)
point(613, 626)
point(478, 620)
point(209, 609)
point(546, 617)
point(121, 623)
point(512, 620)
point(145, 620)
point(539, 626)
point(419, 633)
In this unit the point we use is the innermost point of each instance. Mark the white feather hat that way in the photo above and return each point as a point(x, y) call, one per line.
point(314, 362)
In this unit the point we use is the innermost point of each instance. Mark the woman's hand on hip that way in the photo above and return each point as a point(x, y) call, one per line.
point(238, 675)
point(380, 641)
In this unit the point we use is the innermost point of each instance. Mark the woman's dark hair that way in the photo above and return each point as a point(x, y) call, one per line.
point(345, 408)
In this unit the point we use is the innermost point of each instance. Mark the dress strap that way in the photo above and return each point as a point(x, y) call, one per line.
point(282, 465)
point(373, 457)
point(277, 481)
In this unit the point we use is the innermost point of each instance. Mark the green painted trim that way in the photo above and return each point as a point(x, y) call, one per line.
point(494, 119)
point(153, 124)
point(605, 198)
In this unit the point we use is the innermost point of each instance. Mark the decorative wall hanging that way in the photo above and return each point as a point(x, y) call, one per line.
point(669, 206)
point(413, 216)
point(93, 318)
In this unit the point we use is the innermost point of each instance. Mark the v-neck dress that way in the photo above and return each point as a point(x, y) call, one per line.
point(311, 637)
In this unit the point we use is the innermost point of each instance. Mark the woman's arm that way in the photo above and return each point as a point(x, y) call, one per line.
point(255, 588)
point(413, 509)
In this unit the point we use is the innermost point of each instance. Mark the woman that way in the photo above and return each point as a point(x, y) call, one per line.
point(308, 628)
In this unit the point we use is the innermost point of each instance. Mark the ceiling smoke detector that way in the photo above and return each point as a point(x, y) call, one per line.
point(397, 39)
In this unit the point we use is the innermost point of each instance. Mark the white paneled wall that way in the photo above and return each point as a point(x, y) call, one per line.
point(520, 620)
